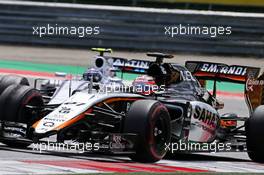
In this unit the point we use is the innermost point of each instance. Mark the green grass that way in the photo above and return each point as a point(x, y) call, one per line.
point(23, 65)
point(226, 86)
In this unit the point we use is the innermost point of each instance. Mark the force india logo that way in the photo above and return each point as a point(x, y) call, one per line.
point(205, 116)
point(216, 68)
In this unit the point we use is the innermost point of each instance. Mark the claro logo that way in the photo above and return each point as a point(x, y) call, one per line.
point(205, 116)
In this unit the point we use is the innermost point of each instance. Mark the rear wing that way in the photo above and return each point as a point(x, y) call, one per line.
point(249, 76)
point(221, 72)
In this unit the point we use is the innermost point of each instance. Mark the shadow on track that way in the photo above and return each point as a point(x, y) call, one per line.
point(200, 157)
point(114, 158)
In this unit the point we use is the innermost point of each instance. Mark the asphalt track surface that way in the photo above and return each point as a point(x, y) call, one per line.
point(28, 161)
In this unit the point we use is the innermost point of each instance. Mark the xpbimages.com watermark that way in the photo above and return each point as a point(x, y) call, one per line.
point(197, 147)
point(79, 31)
point(76, 147)
point(211, 31)
point(120, 88)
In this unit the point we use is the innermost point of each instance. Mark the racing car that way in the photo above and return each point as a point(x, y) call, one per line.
point(138, 125)
point(101, 72)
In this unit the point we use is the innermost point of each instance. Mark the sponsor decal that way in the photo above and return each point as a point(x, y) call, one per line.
point(116, 144)
point(48, 124)
point(187, 76)
point(54, 119)
point(224, 69)
point(207, 129)
point(135, 65)
point(15, 129)
point(65, 110)
point(205, 116)
point(251, 82)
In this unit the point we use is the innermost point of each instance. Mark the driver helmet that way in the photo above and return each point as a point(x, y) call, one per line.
point(93, 73)
point(144, 85)
point(164, 74)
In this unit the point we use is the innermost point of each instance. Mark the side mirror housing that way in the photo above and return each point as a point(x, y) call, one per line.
point(60, 74)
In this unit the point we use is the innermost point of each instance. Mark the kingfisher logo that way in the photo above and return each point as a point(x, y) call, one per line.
point(224, 69)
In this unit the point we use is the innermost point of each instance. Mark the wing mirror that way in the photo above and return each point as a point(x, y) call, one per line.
point(60, 74)
point(219, 105)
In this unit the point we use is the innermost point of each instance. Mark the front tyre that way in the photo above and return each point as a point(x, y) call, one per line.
point(254, 132)
point(8, 80)
point(151, 121)
point(15, 114)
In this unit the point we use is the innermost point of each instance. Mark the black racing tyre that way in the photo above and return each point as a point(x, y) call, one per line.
point(13, 101)
point(254, 132)
point(151, 121)
point(8, 80)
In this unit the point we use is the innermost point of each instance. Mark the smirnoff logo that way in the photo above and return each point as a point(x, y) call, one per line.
point(222, 69)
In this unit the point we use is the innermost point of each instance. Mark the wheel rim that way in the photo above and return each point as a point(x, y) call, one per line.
point(29, 114)
point(160, 132)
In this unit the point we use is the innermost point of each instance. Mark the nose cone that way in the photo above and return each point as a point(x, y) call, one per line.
point(66, 114)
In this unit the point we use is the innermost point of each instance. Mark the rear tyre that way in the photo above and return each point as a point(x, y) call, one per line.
point(8, 80)
point(151, 121)
point(254, 133)
point(13, 103)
